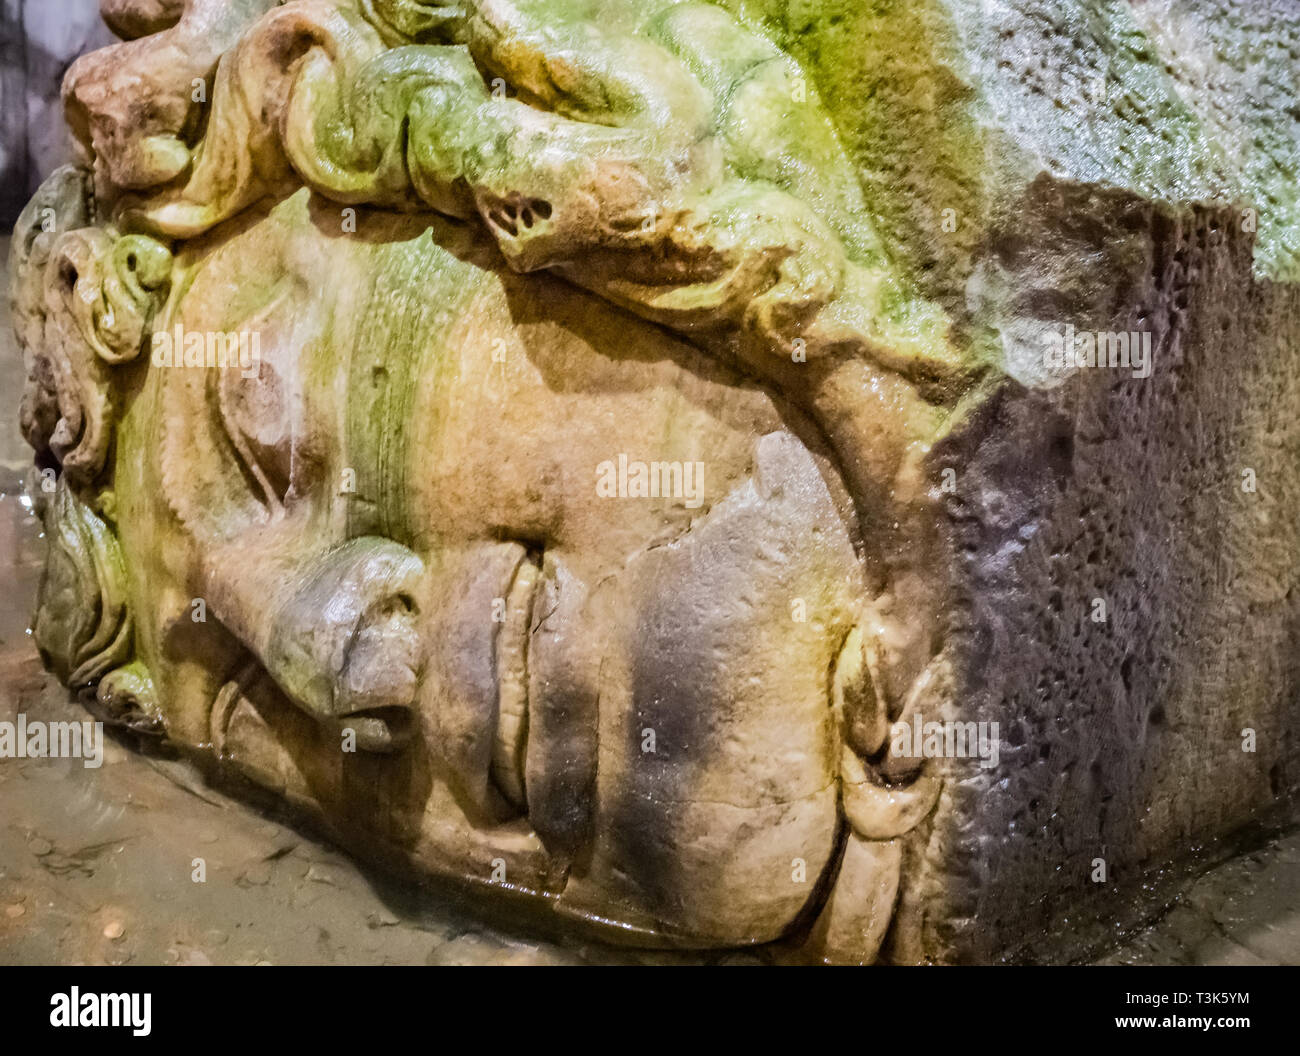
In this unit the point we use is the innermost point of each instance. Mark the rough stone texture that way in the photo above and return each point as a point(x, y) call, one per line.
point(1120, 207)
point(819, 245)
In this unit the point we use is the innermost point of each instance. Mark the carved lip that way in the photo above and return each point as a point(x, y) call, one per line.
point(510, 738)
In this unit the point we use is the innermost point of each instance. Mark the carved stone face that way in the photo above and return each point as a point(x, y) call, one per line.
point(523, 547)
point(627, 699)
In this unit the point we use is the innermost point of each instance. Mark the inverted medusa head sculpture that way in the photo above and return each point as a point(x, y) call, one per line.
point(496, 429)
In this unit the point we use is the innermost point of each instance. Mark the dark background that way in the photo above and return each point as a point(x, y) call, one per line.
point(39, 39)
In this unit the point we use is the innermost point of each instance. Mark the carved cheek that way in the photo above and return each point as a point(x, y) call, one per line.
point(717, 795)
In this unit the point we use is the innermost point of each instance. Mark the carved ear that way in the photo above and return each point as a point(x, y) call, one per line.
point(860, 707)
point(876, 811)
point(883, 795)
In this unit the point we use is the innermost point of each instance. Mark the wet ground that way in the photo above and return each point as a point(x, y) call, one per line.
point(1245, 911)
point(102, 866)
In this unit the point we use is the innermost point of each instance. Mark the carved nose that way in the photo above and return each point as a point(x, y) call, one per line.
point(473, 692)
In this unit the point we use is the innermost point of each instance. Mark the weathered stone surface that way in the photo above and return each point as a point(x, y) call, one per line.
point(497, 257)
point(1112, 167)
